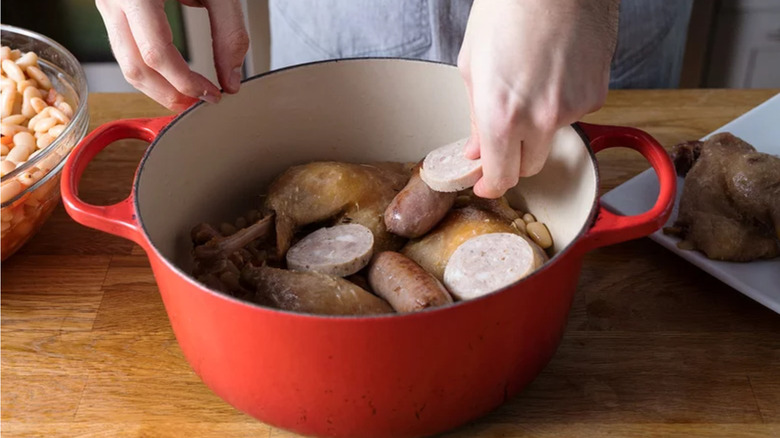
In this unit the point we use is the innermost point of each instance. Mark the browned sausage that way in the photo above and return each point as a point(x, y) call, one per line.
point(417, 208)
point(405, 284)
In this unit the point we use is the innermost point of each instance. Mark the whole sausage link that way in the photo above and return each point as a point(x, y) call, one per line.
point(405, 284)
point(417, 208)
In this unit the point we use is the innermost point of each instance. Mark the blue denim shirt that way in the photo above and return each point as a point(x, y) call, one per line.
point(651, 38)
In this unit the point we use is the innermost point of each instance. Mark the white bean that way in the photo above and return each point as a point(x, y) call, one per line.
point(26, 178)
point(41, 115)
point(24, 139)
point(49, 162)
point(28, 110)
point(17, 108)
point(45, 124)
point(9, 190)
point(56, 130)
point(28, 59)
point(44, 140)
point(13, 71)
point(37, 104)
point(6, 167)
point(528, 218)
point(18, 155)
point(4, 150)
point(15, 54)
point(37, 74)
point(11, 130)
point(539, 233)
point(65, 108)
point(57, 114)
point(7, 82)
point(5, 52)
point(16, 119)
point(520, 225)
point(21, 86)
point(8, 101)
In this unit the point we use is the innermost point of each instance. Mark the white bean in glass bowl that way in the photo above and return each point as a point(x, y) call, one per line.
point(44, 115)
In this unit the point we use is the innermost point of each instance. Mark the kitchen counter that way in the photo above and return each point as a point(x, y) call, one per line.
point(654, 346)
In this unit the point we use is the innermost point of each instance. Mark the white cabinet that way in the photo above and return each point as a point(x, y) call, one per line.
point(745, 47)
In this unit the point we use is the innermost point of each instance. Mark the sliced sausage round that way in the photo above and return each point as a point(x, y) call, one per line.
point(447, 169)
point(489, 262)
point(340, 250)
point(405, 284)
point(417, 208)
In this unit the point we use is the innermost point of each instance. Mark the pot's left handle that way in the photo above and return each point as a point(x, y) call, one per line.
point(119, 219)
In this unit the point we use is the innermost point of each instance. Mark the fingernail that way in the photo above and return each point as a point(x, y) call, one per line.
point(235, 79)
point(208, 97)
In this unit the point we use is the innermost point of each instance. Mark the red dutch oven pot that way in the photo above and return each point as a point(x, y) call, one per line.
point(387, 376)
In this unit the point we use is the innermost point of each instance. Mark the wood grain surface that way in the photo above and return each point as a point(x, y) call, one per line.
point(654, 346)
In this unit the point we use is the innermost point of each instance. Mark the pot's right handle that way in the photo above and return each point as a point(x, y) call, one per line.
point(610, 228)
point(119, 219)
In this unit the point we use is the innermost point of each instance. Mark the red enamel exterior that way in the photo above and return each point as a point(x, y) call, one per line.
point(397, 376)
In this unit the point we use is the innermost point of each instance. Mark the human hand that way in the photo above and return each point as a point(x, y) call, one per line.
point(142, 42)
point(530, 67)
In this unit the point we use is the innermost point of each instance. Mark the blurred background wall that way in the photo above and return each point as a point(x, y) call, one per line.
point(731, 43)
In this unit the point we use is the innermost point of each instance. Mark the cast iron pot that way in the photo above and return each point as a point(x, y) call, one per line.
point(387, 376)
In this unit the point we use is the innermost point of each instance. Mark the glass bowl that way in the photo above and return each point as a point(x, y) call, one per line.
point(30, 192)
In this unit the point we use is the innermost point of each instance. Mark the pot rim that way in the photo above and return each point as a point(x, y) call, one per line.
point(418, 314)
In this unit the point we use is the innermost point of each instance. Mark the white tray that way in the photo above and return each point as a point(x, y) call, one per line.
point(760, 280)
